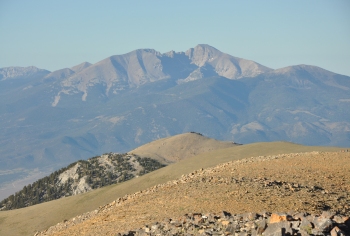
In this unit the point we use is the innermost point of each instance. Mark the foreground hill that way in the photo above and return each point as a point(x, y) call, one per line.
point(299, 182)
point(28, 220)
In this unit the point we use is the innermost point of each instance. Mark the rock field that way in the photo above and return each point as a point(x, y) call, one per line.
point(265, 223)
point(309, 194)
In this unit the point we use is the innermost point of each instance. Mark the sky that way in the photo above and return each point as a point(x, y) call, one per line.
point(60, 34)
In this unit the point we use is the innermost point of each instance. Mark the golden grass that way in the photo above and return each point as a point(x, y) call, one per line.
point(179, 147)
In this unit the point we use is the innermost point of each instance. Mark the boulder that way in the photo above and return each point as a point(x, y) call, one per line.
point(278, 217)
point(279, 228)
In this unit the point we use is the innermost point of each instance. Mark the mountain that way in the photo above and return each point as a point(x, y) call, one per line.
point(80, 67)
point(51, 119)
point(143, 66)
point(297, 103)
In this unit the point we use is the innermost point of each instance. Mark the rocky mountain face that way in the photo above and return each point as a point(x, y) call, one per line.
point(80, 177)
point(139, 67)
point(50, 119)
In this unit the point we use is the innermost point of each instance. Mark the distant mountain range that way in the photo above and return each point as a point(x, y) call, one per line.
point(50, 119)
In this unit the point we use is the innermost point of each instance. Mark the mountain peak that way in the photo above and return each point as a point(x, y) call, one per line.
point(80, 67)
point(143, 51)
point(225, 65)
point(202, 53)
point(205, 46)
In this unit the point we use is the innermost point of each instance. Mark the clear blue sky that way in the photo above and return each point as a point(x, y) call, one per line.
point(58, 34)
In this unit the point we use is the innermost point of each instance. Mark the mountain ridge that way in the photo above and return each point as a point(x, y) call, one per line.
point(124, 101)
point(142, 66)
point(15, 72)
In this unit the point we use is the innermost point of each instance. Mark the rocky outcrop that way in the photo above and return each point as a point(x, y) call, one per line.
point(80, 177)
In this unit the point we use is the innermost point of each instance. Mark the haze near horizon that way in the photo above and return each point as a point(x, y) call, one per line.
point(51, 35)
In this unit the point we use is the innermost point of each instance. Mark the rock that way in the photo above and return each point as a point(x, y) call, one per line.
point(275, 218)
point(299, 216)
point(225, 215)
point(323, 224)
point(328, 214)
point(278, 228)
point(347, 221)
point(225, 222)
point(295, 224)
point(231, 229)
point(261, 226)
point(198, 219)
point(339, 219)
point(304, 233)
point(250, 216)
point(337, 232)
point(242, 234)
point(306, 225)
point(154, 227)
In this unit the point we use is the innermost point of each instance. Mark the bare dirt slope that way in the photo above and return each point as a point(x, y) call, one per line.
point(28, 220)
point(179, 147)
point(304, 182)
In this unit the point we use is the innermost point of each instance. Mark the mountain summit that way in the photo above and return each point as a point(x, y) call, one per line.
point(134, 69)
point(223, 64)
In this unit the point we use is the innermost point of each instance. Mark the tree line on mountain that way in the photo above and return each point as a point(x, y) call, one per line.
point(97, 175)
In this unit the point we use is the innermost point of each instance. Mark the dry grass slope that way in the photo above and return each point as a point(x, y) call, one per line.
point(180, 147)
point(27, 221)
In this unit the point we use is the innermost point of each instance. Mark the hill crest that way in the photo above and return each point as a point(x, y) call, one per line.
point(180, 147)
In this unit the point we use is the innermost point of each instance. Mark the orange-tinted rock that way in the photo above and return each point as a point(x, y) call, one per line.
point(275, 218)
point(337, 232)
